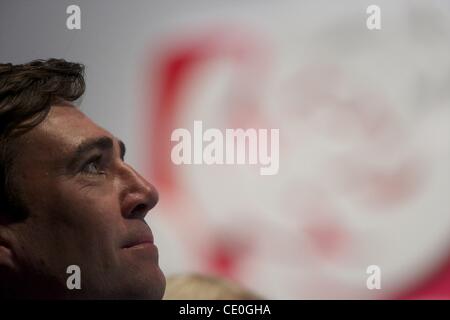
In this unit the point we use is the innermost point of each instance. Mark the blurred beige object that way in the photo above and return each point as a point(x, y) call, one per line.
point(204, 287)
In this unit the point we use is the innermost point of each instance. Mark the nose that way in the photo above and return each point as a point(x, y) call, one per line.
point(138, 196)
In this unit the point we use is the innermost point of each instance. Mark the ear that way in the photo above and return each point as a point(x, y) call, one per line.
point(7, 260)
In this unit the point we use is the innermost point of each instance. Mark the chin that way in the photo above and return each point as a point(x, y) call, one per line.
point(150, 284)
point(157, 286)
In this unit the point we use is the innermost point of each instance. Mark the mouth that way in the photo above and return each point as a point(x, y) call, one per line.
point(139, 241)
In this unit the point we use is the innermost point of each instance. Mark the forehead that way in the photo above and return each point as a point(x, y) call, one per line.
point(70, 121)
point(64, 128)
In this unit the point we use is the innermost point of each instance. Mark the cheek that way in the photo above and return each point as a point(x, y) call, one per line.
point(78, 225)
point(93, 214)
point(91, 203)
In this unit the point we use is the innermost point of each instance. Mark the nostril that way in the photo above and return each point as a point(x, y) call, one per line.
point(140, 211)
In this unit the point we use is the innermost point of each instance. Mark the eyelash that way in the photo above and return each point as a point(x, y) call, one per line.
point(94, 160)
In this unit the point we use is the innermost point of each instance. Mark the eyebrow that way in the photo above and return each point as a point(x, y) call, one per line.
point(102, 143)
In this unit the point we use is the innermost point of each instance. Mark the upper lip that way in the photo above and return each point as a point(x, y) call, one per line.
point(138, 238)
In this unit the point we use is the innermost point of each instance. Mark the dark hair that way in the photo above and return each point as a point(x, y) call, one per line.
point(27, 92)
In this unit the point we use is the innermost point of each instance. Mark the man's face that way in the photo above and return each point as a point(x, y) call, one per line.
point(86, 208)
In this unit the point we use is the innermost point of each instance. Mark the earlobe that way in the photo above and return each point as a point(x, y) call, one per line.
point(6, 255)
point(7, 268)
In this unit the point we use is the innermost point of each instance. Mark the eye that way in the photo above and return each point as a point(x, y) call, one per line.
point(93, 166)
